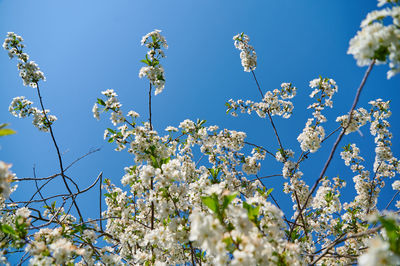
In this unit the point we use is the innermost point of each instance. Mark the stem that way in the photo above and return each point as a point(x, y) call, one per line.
point(58, 152)
point(151, 125)
point(151, 181)
point(101, 224)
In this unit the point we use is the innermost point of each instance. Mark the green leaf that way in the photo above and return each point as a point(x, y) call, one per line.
point(381, 53)
point(229, 244)
point(7, 229)
point(228, 199)
point(211, 202)
point(154, 161)
point(112, 131)
point(3, 125)
point(269, 191)
point(165, 160)
point(252, 212)
point(6, 131)
point(282, 152)
point(101, 102)
point(145, 61)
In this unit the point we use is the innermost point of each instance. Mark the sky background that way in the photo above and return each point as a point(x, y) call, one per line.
point(85, 47)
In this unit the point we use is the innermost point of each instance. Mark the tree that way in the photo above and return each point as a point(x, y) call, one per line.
point(195, 196)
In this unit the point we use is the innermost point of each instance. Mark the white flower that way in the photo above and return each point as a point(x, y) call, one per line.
point(248, 54)
point(6, 177)
point(359, 118)
point(153, 70)
point(23, 212)
point(29, 70)
point(133, 114)
point(396, 185)
point(377, 41)
point(170, 128)
point(148, 41)
point(95, 111)
point(155, 75)
point(378, 254)
point(311, 137)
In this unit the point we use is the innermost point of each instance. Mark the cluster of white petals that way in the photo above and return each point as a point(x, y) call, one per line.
point(113, 105)
point(6, 177)
point(311, 137)
point(274, 102)
point(359, 118)
point(378, 253)
point(21, 107)
point(156, 76)
point(29, 70)
point(153, 70)
point(377, 41)
point(247, 53)
point(313, 133)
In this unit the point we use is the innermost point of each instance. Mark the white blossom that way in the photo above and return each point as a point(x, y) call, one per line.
point(6, 177)
point(247, 53)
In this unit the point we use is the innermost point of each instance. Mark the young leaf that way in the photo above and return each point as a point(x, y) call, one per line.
point(7, 229)
point(6, 131)
point(211, 202)
point(101, 102)
point(228, 199)
point(269, 191)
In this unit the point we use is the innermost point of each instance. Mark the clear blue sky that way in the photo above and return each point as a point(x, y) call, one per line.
point(84, 47)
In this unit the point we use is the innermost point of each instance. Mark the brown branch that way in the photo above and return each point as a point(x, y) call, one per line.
point(58, 151)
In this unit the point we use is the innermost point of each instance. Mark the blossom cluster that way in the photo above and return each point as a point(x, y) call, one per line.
point(153, 70)
point(247, 53)
point(274, 102)
point(313, 133)
point(359, 118)
point(377, 41)
point(29, 70)
point(111, 104)
point(6, 177)
point(21, 107)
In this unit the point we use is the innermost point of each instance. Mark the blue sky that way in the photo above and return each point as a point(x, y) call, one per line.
point(85, 47)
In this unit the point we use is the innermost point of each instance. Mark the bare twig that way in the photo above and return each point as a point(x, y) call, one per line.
point(58, 151)
point(260, 147)
point(80, 158)
point(100, 215)
point(390, 202)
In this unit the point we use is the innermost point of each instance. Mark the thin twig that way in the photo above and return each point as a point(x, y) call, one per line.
point(80, 158)
point(100, 215)
point(63, 195)
point(151, 125)
point(390, 202)
point(260, 147)
point(58, 150)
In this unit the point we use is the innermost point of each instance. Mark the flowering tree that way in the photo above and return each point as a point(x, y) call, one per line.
point(194, 195)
